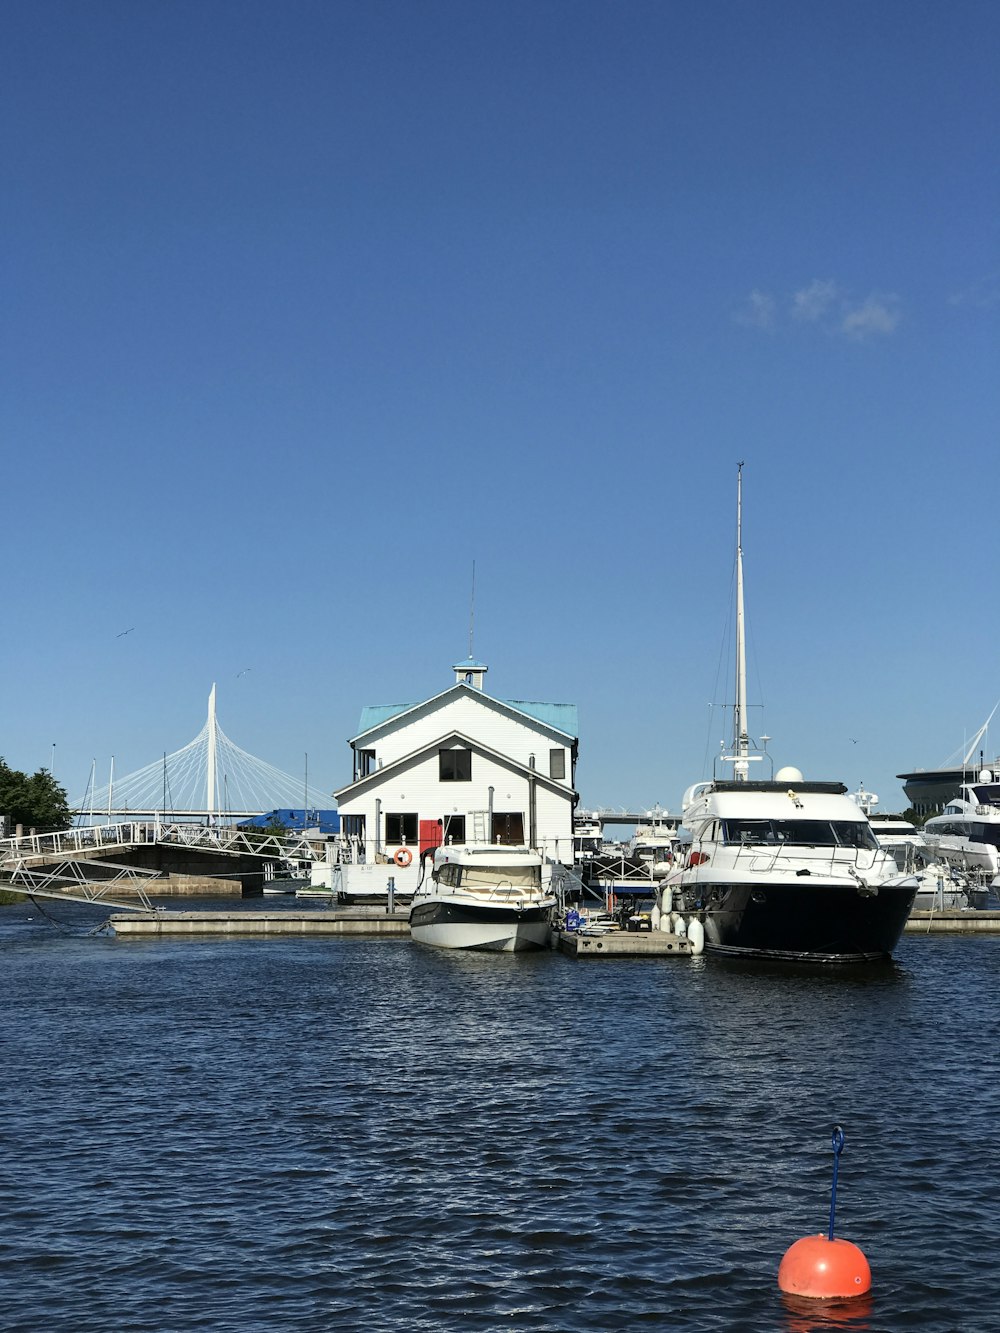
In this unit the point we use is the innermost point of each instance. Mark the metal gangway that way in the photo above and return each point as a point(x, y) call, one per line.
point(37, 864)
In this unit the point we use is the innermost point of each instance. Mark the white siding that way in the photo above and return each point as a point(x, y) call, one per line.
point(474, 716)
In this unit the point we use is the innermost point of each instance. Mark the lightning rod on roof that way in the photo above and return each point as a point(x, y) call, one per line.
point(472, 608)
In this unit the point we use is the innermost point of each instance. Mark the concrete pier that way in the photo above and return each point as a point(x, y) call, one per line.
point(959, 921)
point(309, 921)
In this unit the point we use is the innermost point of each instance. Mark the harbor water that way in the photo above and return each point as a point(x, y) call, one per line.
point(313, 1134)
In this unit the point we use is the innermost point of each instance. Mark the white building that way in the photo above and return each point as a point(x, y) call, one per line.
point(461, 767)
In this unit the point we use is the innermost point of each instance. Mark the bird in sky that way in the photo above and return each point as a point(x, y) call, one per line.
point(852, 740)
point(243, 672)
point(124, 632)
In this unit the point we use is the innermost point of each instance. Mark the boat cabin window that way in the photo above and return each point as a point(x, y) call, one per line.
point(491, 877)
point(986, 833)
point(798, 832)
point(400, 828)
point(455, 765)
point(853, 833)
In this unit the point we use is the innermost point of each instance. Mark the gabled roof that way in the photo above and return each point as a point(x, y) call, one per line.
point(448, 738)
point(557, 717)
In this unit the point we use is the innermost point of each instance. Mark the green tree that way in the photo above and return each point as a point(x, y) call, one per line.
point(37, 801)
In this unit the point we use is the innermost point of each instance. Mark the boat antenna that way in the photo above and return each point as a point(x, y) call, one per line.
point(741, 740)
point(472, 608)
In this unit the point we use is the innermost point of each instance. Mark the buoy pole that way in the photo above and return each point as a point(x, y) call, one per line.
point(821, 1267)
point(838, 1148)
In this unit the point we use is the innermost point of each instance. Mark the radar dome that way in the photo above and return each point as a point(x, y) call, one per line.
point(986, 776)
point(788, 775)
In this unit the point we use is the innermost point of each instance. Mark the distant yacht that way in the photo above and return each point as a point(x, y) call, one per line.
point(966, 836)
point(654, 842)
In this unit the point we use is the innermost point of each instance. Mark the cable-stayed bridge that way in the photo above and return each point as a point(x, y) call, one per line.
point(210, 779)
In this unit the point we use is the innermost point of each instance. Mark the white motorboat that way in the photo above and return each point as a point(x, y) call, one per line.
point(941, 887)
point(489, 897)
point(966, 835)
point(782, 868)
point(655, 842)
point(588, 836)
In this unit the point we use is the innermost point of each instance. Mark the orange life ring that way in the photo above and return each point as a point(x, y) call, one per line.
point(403, 857)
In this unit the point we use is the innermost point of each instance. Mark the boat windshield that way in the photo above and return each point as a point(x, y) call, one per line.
point(491, 877)
point(799, 832)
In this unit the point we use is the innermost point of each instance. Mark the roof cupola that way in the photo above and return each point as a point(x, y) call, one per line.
point(470, 672)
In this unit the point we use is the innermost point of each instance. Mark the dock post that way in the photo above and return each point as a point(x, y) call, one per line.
point(390, 902)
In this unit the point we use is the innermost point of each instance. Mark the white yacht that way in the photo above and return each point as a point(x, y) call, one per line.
point(654, 842)
point(588, 836)
point(782, 868)
point(489, 897)
point(966, 835)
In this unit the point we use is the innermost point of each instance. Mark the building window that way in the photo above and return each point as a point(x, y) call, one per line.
point(454, 828)
point(366, 762)
point(508, 829)
point(400, 828)
point(557, 763)
point(455, 765)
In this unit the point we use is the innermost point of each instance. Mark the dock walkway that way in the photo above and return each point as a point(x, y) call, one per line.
point(308, 921)
point(959, 921)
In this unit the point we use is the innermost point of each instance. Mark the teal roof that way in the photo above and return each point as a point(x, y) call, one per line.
point(562, 717)
point(373, 715)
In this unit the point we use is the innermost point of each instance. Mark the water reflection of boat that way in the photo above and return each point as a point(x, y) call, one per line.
point(483, 898)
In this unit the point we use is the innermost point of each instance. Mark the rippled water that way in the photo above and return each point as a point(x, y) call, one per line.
point(344, 1134)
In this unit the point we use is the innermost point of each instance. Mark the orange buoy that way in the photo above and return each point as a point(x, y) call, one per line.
point(822, 1268)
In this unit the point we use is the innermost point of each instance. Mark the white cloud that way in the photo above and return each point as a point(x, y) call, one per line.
point(984, 292)
point(759, 311)
point(811, 303)
point(825, 305)
point(876, 315)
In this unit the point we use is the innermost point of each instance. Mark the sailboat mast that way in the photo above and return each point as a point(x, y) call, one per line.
point(741, 740)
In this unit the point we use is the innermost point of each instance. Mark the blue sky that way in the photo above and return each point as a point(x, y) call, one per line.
point(308, 306)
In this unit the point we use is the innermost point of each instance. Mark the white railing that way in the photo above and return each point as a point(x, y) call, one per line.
point(85, 842)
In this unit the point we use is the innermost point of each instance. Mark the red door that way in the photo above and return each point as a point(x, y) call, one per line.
point(431, 834)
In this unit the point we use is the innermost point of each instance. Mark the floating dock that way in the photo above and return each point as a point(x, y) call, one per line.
point(308, 921)
point(623, 944)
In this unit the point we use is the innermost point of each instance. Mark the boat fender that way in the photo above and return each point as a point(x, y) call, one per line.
point(696, 934)
point(403, 857)
point(680, 926)
point(654, 918)
point(667, 901)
